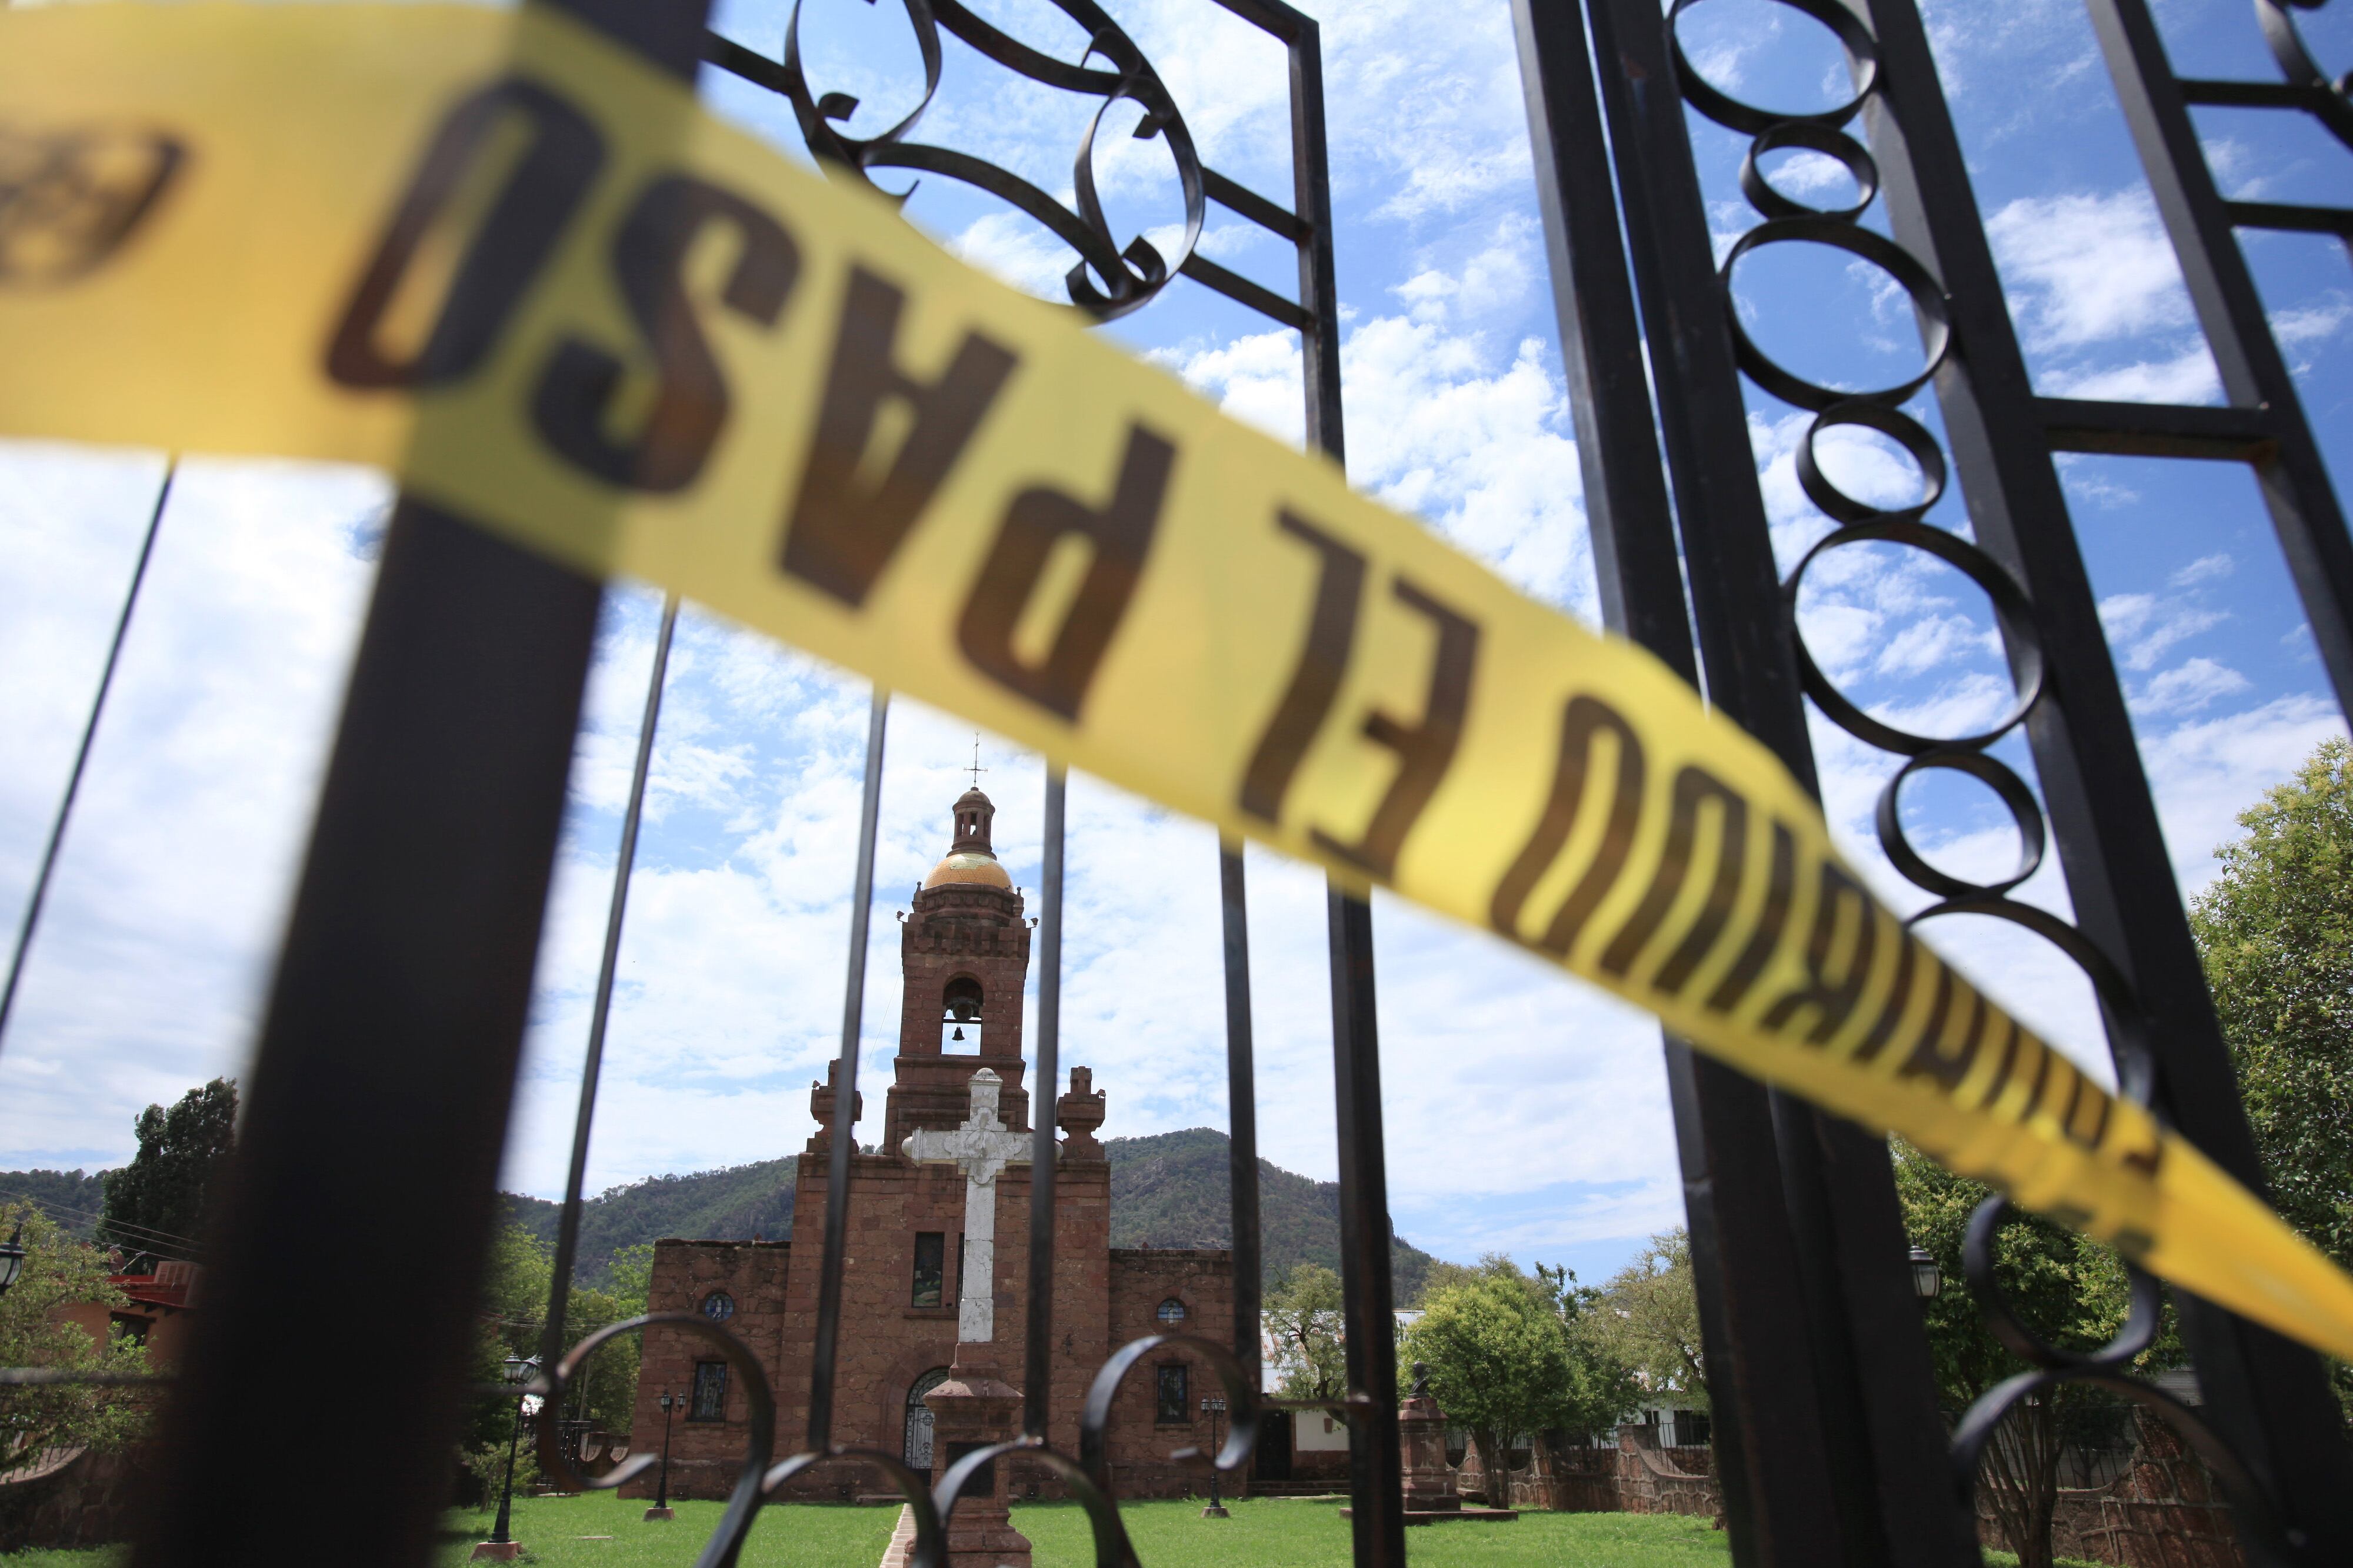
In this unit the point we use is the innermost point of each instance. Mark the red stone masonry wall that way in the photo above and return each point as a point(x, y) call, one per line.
point(705, 1456)
point(1141, 1279)
point(888, 1344)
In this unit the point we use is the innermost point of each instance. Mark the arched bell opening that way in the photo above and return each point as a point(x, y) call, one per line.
point(960, 1016)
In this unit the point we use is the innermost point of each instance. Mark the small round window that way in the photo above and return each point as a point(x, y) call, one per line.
point(1172, 1312)
point(719, 1306)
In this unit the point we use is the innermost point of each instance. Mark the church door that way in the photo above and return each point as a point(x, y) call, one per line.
point(918, 1451)
point(1271, 1461)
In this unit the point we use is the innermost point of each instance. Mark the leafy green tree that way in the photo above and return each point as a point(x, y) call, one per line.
point(1306, 1318)
point(1601, 1387)
point(2071, 1290)
point(60, 1271)
point(2275, 929)
point(1649, 1316)
point(1511, 1355)
point(514, 1317)
point(156, 1203)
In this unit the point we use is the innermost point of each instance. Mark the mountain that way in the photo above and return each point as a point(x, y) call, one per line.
point(71, 1198)
point(1173, 1189)
point(1170, 1190)
point(737, 1201)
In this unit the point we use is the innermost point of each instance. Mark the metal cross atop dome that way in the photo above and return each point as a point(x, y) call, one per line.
point(976, 770)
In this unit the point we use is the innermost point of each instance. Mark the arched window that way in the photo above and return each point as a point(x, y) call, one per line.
point(917, 1451)
point(1171, 1314)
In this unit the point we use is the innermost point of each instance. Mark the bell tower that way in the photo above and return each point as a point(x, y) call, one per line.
point(964, 950)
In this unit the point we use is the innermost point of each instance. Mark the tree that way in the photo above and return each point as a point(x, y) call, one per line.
point(514, 1319)
point(1601, 1387)
point(1649, 1315)
point(59, 1271)
point(1510, 1355)
point(1306, 1318)
point(2276, 930)
point(2071, 1290)
point(156, 1203)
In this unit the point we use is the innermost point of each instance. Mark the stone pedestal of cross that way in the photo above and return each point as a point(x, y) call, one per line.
point(974, 1408)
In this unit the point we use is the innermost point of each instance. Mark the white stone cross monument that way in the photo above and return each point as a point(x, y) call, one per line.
point(981, 1148)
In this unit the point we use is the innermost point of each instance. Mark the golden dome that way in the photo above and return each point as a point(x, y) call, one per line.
point(977, 866)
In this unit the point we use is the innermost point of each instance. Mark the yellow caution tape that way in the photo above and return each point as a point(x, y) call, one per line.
point(232, 229)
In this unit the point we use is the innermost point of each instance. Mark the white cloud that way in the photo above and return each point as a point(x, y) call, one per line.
point(2143, 626)
point(164, 913)
point(2205, 568)
point(2092, 275)
point(1438, 427)
point(2188, 687)
point(2204, 774)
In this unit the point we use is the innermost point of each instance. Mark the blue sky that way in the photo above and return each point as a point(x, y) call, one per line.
point(1526, 1112)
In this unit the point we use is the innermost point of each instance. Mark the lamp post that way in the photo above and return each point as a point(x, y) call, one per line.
point(501, 1547)
point(1215, 1409)
point(12, 1257)
point(661, 1509)
point(1927, 1280)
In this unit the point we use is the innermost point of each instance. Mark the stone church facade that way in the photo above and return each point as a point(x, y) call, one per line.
point(965, 954)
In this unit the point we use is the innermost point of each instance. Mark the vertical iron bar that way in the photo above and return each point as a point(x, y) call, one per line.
point(1376, 1482)
point(1797, 1209)
point(81, 754)
point(1241, 1111)
point(2304, 506)
point(567, 1232)
point(1037, 1362)
point(2265, 1396)
point(381, 1088)
point(1376, 1463)
point(828, 1337)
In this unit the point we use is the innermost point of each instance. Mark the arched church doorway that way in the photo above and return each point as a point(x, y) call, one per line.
point(917, 1451)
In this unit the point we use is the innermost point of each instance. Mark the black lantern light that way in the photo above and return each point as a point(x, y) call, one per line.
point(12, 1257)
point(1215, 1409)
point(1927, 1280)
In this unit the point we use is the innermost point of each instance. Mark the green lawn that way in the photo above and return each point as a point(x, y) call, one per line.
point(600, 1530)
point(1276, 1532)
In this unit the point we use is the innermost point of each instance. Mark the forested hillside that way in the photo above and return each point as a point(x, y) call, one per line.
point(1170, 1190)
point(73, 1199)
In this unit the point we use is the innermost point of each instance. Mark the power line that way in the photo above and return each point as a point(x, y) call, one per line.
point(50, 1207)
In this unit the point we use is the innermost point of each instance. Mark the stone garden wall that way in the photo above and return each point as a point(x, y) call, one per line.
point(2165, 1511)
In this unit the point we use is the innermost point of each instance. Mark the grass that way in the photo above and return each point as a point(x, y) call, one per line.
point(1277, 1532)
point(601, 1530)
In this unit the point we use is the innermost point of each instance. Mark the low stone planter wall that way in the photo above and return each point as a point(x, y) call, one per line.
point(1637, 1477)
point(2165, 1511)
point(70, 1498)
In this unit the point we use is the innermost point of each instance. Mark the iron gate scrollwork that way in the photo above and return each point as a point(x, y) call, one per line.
point(2269, 1429)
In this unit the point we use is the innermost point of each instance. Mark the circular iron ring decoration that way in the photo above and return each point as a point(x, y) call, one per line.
point(2132, 1337)
point(1901, 428)
point(2128, 1024)
point(1806, 136)
point(2105, 1368)
point(1928, 299)
point(726, 1542)
point(1242, 1403)
point(1132, 277)
point(2249, 1502)
point(2297, 65)
point(2011, 614)
point(1862, 54)
point(2025, 812)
